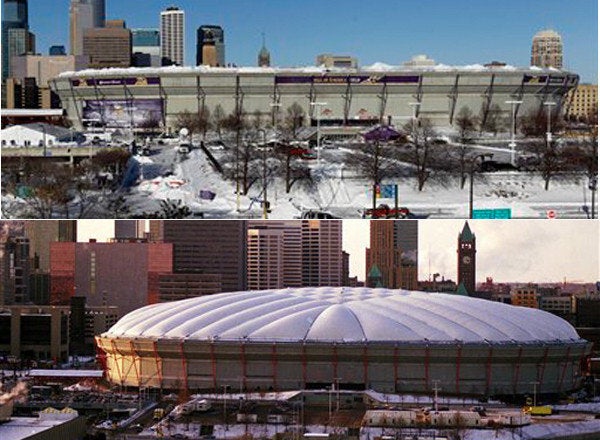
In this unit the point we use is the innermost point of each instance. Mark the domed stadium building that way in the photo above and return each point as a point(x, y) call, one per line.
point(154, 97)
point(361, 338)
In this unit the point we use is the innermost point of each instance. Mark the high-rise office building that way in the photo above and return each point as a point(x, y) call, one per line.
point(207, 246)
point(274, 254)
point(321, 253)
point(15, 271)
point(393, 254)
point(210, 46)
point(466, 260)
point(547, 49)
point(172, 36)
point(145, 45)
point(16, 38)
point(43, 232)
point(84, 14)
point(127, 229)
point(125, 275)
point(109, 46)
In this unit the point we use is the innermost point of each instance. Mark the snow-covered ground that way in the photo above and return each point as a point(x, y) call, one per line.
point(343, 194)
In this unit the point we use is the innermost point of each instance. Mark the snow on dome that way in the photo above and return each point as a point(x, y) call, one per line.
point(341, 314)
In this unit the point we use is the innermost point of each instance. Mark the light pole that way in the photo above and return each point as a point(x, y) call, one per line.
point(264, 172)
point(512, 144)
point(317, 106)
point(472, 172)
point(549, 105)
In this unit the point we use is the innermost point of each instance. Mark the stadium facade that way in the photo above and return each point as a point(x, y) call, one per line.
point(138, 97)
point(361, 338)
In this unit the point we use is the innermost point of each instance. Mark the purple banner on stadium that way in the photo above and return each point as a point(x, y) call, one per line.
point(123, 113)
point(127, 81)
point(344, 79)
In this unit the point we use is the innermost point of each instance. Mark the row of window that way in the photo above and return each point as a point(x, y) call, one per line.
point(26, 143)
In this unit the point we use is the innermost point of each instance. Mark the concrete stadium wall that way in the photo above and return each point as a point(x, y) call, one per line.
point(459, 369)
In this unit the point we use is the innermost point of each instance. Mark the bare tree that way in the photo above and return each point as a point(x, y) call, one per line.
point(493, 122)
point(550, 155)
point(466, 124)
point(217, 119)
point(188, 120)
point(294, 119)
point(293, 167)
point(427, 158)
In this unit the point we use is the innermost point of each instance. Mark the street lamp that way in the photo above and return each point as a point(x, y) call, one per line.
point(471, 173)
point(512, 144)
point(549, 105)
point(264, 172)
point(317, 105)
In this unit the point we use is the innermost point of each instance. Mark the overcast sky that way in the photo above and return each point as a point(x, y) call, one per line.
point(514, 250)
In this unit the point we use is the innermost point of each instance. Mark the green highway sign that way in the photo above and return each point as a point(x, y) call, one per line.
point(503, 213)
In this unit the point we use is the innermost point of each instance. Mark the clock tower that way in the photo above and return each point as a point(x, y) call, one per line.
point(466, 259)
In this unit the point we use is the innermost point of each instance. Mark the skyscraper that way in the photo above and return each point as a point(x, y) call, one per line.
point(43, 232)
point(172, 36)
point(393, 253)
point(210, 38)
point(16, 38)
point(274, 254)
point(207, 246)
point(547, 49)
point(84, 14)
point(108, 46)
point(466, 259)
point(321, 253)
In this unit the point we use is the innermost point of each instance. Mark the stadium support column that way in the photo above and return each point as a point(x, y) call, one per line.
point(542, 368)
point(117, 355)
point(158, 364)
point(396, 368)
point(200, 97)
point(427, 368)
point(129, 98)
point(97, 93)
point(566, 362)
point(458, 361)
point(517, 370)
point(74, 98)
point(366, 365)
point(543, 93)
point(334, 361)
point(453, 98)
point(243, 364)
point(570, 101)
point(184, 368)
point(213, 365)
point(487, 100)
point(274, 365)
point(488, 370)
point(163, 97)
point(383, 100)
point(347, 100)
point(304, 372)
point(134, 360)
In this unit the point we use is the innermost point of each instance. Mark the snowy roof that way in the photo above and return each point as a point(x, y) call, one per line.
point(376, 67)
point(341, 314)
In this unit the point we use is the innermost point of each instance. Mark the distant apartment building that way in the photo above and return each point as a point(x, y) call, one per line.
point(526, 296)
point(15, 269)
point(172, 36)
point(561, 305)
point(342, 61)
point(583, 103)
point(109, 46)
point(43, 232)
point(125, 229)
point(547, 49)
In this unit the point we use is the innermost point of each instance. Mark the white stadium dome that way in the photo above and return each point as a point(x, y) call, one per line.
point(380, 339)
point(341, 314)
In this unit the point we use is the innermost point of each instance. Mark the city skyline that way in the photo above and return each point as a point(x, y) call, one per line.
point(297, 33)
point(548, 250)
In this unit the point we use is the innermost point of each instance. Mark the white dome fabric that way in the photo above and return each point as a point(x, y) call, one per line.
point(342, 314)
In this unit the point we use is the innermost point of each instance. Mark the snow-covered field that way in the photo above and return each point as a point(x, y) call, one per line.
point(341, 193)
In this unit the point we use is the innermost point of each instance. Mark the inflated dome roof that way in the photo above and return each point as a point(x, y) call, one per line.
point(342, 314)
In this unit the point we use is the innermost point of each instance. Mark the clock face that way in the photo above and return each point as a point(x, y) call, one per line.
point(466, 259)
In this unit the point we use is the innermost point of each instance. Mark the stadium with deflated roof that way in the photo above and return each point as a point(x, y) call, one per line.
point(361, 338)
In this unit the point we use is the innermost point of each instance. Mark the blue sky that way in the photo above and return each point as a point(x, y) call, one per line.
point(454, 32)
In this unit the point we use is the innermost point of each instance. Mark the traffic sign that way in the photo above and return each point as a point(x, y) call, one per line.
point(490, 214)
point(551, 213)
